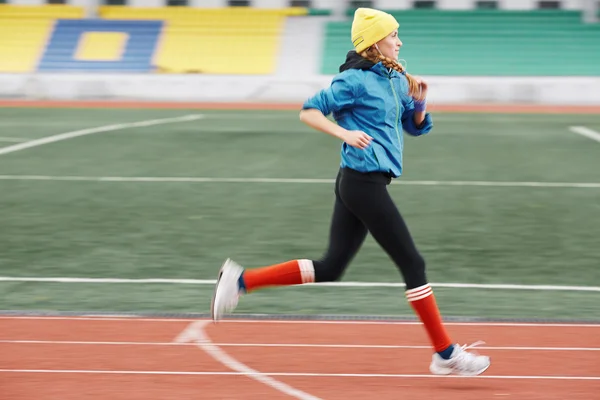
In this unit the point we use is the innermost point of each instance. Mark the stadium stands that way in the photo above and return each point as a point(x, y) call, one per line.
point(246, 40)
point(101, 45)
point(478, 42)
point(236, 40)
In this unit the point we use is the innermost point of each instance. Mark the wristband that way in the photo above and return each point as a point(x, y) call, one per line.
point(420, 105)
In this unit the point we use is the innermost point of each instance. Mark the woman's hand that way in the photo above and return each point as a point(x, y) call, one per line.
point(420, 102)
point(423, 85)
point(315, 119)
point(357, 139)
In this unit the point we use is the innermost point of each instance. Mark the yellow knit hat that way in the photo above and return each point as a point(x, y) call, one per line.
point(370, 26)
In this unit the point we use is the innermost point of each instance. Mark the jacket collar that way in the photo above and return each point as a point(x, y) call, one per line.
point(356, 61)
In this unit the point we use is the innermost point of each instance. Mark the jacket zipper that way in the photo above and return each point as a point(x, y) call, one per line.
point(397, 110)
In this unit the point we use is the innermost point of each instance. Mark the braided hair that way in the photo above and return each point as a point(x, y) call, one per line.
point(372, 54)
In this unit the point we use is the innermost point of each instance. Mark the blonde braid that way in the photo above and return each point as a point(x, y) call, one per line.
point(371, 54)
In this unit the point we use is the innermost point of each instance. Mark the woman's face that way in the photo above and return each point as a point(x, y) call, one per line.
point(390, 45)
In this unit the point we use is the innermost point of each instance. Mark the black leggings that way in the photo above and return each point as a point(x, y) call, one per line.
point(363, 204)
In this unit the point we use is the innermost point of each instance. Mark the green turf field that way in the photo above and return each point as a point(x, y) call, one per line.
point(60, 219)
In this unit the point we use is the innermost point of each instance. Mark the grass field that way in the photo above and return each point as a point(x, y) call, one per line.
point(490, 198)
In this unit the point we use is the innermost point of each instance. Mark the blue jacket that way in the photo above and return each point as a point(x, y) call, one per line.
point(367, 97)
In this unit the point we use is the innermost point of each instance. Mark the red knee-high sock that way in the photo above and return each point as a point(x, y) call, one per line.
point(293, 272)
point(423, 303)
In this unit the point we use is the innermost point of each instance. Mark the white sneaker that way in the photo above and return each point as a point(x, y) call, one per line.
point(461, 362)
point(227, 290)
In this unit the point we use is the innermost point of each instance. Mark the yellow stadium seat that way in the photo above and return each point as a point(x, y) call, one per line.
point(22, 42)
point(41, 12)
point(101, 46)
point(162, 13)
point(235, 40)
point(24, 31)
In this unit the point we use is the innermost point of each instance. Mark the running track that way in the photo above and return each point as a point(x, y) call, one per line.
point(71, 358)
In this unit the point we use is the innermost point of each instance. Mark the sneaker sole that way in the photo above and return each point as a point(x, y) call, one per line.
point(479, 372)
point(450, 371)
point(212, 302)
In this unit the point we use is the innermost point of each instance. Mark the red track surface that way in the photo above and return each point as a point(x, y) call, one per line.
point(119, 358)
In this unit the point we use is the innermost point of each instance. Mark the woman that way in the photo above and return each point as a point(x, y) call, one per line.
point(373, 100)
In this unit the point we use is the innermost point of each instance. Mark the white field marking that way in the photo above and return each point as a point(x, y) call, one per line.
point(39, 122)
point(157, 179)
point(153, 179)
point(287, 345)
point(298, 374)
point(100, 129)
point(12, 139)
point(138, 318)
point(440, 116)
point(307, 285)
point(291, 115)
point(195, 333)
point(587, 132)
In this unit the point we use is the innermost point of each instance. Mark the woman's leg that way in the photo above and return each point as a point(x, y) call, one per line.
point(383, 220)
point(346, 235)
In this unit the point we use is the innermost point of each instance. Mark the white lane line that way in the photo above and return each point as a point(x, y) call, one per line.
point(587, 132)
point(260, 320)
point(195, 333)
point(301, 374)
point(331, 284)
point(285, 345)
point(100, 129)
point(199, 179)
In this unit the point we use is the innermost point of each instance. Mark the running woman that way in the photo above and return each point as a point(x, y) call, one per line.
point(373, 100)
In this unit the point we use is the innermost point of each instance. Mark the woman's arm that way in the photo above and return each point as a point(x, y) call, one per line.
point(420, 103)
point(419, 117)
point(415, 120)
point(316, 120)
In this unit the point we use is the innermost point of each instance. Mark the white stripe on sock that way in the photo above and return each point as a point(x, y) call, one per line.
point(307, 271)
point(412, 294)
point(303, 272)
point(419, 293)
point(418, 289)
point(420, 297)
point(301, 268)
